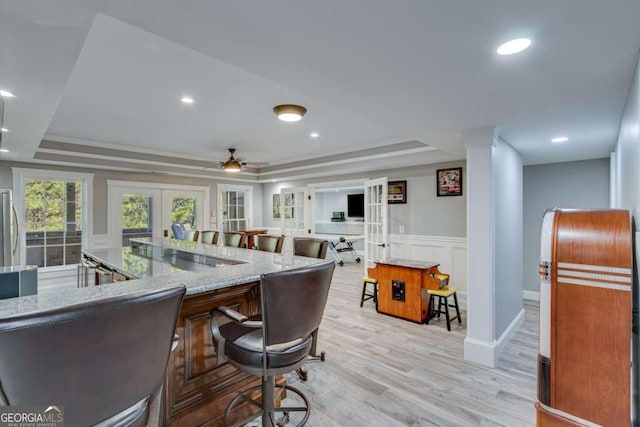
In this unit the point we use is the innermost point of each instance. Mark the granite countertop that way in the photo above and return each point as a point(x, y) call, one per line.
point(198, 279)
point(410, 263)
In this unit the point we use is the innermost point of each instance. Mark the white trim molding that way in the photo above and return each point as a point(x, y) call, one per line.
point(531, 295)
point(487, 353)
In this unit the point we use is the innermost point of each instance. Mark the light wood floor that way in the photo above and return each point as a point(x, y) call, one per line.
point(383, 371)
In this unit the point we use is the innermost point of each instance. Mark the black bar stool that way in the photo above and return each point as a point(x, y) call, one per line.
point(374, 293)
point(443, 304)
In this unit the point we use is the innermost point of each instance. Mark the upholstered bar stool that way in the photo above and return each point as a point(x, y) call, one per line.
point(103, 360)
point(275, 342)
point(235, 239)
point(312, 248)
point(443, 304)
point(191, 235)
point(210, 237)
point(374, 293)
point(269, 243)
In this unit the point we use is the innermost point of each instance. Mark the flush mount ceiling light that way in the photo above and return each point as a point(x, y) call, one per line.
point(560, 139)
point(289, 112)
point(6, 94)
point(187, 99)
point(5, 130)
point(513, 46)
point(314, 135)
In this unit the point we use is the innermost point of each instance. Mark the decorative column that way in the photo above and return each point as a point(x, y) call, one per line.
point(479, 346)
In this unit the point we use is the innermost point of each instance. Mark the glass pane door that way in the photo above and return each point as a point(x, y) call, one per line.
point(137, 216)
point(376, 243)
point(234, 214)
point(138, 211)
point(295, 212)
point(185, 208)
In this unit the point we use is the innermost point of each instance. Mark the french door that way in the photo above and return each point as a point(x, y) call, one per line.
point(376, 222)
point(296, 214)
point(149, 210)
point(137, 214)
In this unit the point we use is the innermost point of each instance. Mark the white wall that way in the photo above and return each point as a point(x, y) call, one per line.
point(627, 196)
point(507, 179)
point(424, 214)
point(583, 184)
point(628, 152)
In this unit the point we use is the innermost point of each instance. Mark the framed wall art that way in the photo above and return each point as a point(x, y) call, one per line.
point(397, 192)
point(449, 182)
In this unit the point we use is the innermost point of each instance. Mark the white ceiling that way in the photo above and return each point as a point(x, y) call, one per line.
point(371, 73)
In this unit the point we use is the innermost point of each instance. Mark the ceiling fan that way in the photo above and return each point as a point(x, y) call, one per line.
point(235, 165)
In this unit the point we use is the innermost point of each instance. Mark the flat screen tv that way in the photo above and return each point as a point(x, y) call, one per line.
point(355, 205)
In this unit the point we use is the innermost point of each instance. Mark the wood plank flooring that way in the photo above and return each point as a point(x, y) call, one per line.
point(383, 371)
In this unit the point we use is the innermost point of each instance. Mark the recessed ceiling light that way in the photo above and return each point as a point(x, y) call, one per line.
point(3, 150)
point(187, 100)
point(273, 180)
point(5, 130)
point(314, 134)
point(560, 139)
point(6, 94)
point(513, 46)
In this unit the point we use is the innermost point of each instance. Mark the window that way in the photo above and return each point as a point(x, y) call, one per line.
point(234, 207)
point(52, 216)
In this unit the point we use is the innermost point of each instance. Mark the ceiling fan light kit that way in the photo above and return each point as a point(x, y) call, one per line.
point(231, 165)
point(289, 112)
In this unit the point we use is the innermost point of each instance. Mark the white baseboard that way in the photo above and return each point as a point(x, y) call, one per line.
point(480, 352)
point(487, 353)
point(508, 333)
point(531, 295)
point(60, 278)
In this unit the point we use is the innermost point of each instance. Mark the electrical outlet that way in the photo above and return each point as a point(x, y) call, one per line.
point(401, 229)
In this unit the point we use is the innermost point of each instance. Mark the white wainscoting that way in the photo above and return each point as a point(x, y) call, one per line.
point(449, 252)
point(57, 278)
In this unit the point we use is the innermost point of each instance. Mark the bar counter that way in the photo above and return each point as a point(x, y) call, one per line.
point(196, 390)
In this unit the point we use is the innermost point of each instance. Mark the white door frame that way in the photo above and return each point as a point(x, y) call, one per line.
point(115, 188)
point(308, 227)
point(376, 234)
point(248, 207)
